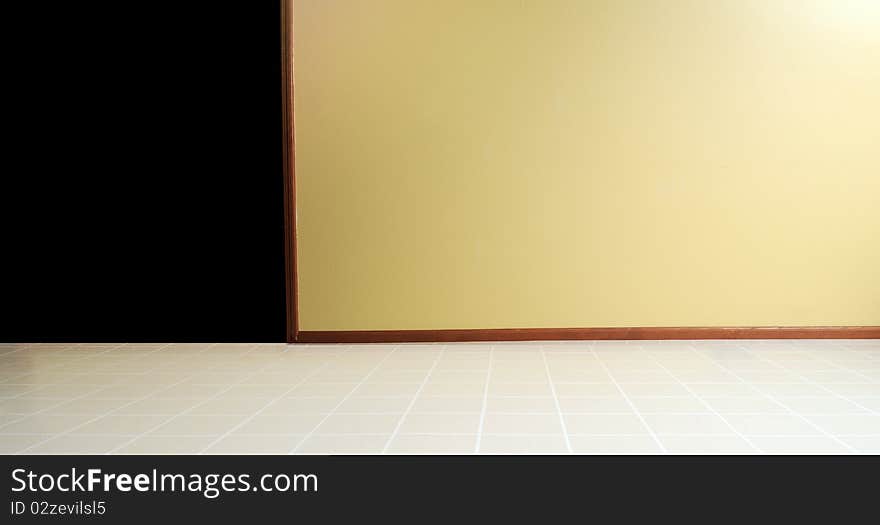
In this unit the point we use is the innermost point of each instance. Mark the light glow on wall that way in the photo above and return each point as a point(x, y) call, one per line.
point(859, 16)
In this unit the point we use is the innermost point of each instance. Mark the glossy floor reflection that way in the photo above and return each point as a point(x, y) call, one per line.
point(601, 397)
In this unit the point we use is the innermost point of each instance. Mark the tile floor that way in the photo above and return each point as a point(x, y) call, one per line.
point(604, 397)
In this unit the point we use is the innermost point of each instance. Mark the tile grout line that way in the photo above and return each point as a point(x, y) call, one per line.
point(188, 410)
point(867, 378)
point(556, 400)
point(820, 385)
point(253, 415)
point(629, 402)
point(796, 349)
point(345, 398)
point(69, 399)
point(484, 408)
point(169, 417)
point(706, 404)
point(67, 363)
point(788, 408)
point(413, 401)
point(136, 400)
point(104, 414)
point(823, 387)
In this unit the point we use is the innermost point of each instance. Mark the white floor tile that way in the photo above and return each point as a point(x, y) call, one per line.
point(713, 444)
point(254, 444)
point(520, 389)
point(745, 404)
point(799, 445)
point(647, 405)
point(440, 424)
point(45, 424)
point(586, 390)
point(828, 405)
point(358, 424)
point(153, 444)
point(654, 389)
point(120, 424)
point(188, 425)
point(343, 444)
point(279, 424)
point(864, 444)
point(370, 405)
point(12, 444)
point(595, 405)
point(599, 424)
point(540, 405)
point(78, 444)
point(722, 389)
point(848, 424)
point(638, 444)
point(302, 405)
point(663, 424)
point(520, 444)
point(770, 424)
point(522, 424)
point(451, 388)
point(596, 397)
point(424, 444)
point(856, 389)
point(430, 404)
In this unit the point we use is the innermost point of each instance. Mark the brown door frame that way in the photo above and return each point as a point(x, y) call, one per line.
point(289, 166)
point(505, 334)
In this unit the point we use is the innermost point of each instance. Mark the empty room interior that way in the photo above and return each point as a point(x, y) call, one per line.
point(532, 227)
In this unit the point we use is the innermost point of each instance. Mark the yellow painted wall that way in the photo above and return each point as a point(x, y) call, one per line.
point(548, 163)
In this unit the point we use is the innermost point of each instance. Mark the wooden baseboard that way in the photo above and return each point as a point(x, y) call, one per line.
point(562, 334)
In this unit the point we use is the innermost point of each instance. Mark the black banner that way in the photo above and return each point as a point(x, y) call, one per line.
point(123, 489)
